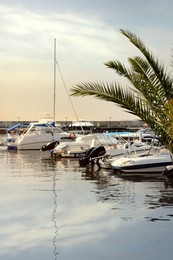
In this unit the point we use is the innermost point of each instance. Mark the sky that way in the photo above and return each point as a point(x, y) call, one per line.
point(87, 35)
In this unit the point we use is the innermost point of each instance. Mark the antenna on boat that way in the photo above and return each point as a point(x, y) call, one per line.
point(54, 80)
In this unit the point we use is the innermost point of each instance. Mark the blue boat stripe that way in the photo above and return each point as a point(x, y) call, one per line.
point(143, 166)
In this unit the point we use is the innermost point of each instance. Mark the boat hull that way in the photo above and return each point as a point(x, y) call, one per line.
point(145, 165)
point(37, 141)
point(145, 170)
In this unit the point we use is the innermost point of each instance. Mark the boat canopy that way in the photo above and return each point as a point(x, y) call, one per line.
point(45, 124)
point(13, 127)
point(81, 123)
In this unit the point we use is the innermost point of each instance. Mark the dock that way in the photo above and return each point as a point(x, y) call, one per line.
point(100, 126)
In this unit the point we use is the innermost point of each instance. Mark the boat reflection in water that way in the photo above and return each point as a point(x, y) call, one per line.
point(107, 180)
point(58, 210)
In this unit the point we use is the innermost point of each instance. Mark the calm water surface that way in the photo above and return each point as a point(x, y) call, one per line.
point(58, 211)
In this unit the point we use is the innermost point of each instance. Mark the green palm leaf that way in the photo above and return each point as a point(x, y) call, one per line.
point(149, 95)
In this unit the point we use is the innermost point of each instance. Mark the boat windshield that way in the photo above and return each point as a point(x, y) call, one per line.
point(42, 128)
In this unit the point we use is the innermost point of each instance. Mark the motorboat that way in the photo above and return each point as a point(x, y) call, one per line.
point(38, 134)
point(92, 157)
point(144, 164)
point(81, 126)
point(142, 134)
point(128, 149)
point(134, 147)
point(114, 147)
point(13, 133)
point(70, 150)
point(121, 149)
point(168, 172)
point(83, 143)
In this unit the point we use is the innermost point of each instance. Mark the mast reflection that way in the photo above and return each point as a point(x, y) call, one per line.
point(49, 163)
point(54, 216)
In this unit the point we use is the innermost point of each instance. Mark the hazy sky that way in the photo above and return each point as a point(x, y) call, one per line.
point(87, 35)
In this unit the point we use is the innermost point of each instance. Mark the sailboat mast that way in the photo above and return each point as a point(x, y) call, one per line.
point(54, 96)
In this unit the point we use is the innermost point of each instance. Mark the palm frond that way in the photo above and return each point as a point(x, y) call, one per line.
point(129, 101)
point(149, 98)
point(159, 70)
point(119, 68)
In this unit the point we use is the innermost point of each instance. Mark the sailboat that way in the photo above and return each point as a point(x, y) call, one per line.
point(44, 131)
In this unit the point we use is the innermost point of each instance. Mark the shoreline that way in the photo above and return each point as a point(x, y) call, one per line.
point(100, 126)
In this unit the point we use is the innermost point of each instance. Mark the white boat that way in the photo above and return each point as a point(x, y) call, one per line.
point(132, 148)
point(13, 133)
point(136, 165)
point(81, 126)
point(38, 134)
point(83, 143)
point(76, 150)
point(142, 134)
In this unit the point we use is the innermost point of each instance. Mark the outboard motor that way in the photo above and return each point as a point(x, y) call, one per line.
point(168, 172)
point(93, 154)
point(49, 146)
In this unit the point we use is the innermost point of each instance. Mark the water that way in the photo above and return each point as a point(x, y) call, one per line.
point(58, 211)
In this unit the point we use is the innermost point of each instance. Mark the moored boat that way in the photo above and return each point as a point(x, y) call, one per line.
point(145, 164)
point(129, 149)
point(82, 144)
point(81, 127)
point(38, 134)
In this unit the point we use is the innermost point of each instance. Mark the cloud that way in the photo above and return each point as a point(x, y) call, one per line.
point(87, 36)
point(29, 34)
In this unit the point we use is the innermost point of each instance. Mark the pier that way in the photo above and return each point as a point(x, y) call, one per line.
point(100, 126)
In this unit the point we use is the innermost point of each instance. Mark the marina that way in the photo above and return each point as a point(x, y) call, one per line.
point(92, 179)
point(59, 210)
point(99, 126)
